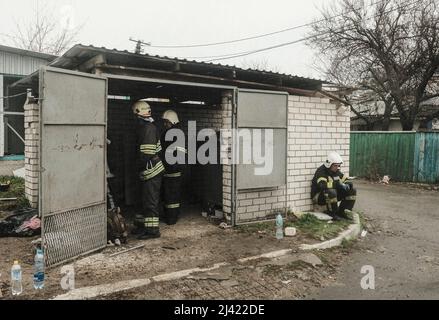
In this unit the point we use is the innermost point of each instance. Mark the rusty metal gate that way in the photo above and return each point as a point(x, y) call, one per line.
point(72, 201)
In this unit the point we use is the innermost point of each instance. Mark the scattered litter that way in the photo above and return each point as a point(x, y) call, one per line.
point(310, 258)
point(117, 242)
point(385, 180)
point(127, 250)
point(363, 233)
point(219, 214)
point(37, 241)
point(23, 223)
point(8, 199)
point(224, 225)
point(321, 216)
point(382, 249)
point(110, 243)
point(5, 186)
point(19, 173)
point(204, 214)
point(286, 282)
point(169, 248)
point(290, 231)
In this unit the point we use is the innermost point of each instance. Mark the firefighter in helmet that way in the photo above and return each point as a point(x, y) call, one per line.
point(150, 171)
point(174, 157)
point(330, 185)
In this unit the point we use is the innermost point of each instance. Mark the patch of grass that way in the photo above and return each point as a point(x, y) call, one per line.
point(347, 244)
point(16, 190)
point(362, 219)
point(315, 228)
point(255, 227)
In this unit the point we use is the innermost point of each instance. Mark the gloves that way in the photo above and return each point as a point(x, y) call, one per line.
point(346, 187)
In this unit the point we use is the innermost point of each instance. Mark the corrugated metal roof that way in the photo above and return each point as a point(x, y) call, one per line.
point(81, 53)
point(175, 67)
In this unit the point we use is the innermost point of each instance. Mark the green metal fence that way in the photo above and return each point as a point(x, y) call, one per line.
point(404, 156)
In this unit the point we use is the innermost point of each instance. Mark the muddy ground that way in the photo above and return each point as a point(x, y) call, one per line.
point(402, 245)
point(193, 242)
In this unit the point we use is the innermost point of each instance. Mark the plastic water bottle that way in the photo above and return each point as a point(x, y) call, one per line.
point(279, 227)
point(16, 279)
point(39, 270)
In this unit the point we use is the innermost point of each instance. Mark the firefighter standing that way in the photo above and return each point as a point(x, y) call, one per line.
point(151, 171)
point(173, 157)
point(329, 186)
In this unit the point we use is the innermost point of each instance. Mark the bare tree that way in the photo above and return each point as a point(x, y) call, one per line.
point(389, 47)
point(45, 33)
point(261, 64)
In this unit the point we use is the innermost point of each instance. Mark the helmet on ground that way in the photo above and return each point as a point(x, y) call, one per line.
point(333, 157)
point(142, 109)
point(171, 116)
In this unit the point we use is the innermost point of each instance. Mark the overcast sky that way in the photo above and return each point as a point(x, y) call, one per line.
point(182, 22)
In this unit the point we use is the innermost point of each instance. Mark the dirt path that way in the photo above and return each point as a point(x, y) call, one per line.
point(403, 247)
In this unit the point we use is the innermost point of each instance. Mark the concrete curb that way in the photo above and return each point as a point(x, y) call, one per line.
point(352, 232)
point(273, 254)
point(95, 291)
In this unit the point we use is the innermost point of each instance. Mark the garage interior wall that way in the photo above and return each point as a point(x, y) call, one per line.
point(201, 184)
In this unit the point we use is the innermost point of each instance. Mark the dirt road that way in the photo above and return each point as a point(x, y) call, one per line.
point(403, 247)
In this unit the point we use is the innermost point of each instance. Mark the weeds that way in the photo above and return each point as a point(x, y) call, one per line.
point(317, 229)
point(16, 190)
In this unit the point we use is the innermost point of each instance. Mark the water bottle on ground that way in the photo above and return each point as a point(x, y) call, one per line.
point(279, 227)
point(16, 279)
point(39, 270)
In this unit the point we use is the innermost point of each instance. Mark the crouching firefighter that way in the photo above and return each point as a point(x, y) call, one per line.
point(151, 171)
point(330, 185)
point(174, 157)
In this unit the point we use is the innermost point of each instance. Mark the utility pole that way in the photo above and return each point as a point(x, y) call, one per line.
point(139, 44)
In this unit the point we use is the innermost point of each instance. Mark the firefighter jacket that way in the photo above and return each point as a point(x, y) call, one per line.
point(174, 152)
point(149, 147)
point(326, 179)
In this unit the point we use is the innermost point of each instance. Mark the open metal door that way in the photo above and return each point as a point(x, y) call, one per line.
point(72, 195)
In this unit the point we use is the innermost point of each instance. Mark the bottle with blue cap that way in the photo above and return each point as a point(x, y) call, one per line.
point(279, 227)
point(39, 269)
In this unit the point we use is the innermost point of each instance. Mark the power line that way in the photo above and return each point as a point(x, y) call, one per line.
point(251, 37)
point(245, 53)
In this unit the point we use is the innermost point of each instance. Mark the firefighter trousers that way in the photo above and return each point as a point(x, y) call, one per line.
point(172, 197)
point(331, 197)
point(150, 204)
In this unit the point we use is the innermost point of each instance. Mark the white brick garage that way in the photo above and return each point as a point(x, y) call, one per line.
point(312, 125)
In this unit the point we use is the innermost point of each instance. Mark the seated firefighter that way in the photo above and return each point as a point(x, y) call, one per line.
point(330, 185)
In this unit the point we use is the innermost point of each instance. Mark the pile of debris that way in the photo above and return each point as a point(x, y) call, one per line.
point(21, 223)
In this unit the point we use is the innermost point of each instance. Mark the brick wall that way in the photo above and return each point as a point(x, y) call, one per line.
point(314, 129)
point(31, 131)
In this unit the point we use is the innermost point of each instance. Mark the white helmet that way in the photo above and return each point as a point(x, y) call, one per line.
point(333, 157)
point(171, 116)
point(142, 109)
